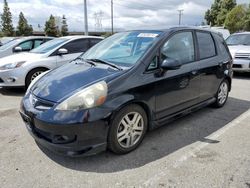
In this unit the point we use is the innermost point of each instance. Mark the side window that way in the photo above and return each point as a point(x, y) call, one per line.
point(94, 41)
point(223, 47)
point(77, 46)
point(38, 43)
point(27, 45)
point(206, 45)
point(154, 64)
point(179, 47)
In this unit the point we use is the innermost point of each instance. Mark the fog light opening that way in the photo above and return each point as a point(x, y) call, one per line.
point(11, 80)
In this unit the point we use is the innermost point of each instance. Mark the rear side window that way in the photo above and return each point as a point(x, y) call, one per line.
point(223, 47)
point(77, 46)
point(206, 45)
point(94, 41)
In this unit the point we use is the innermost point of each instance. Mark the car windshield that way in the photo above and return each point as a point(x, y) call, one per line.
point(123, 49)
point(241, 39)
point(48, 46)
point(9, 44)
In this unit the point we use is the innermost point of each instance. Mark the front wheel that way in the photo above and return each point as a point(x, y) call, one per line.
point(127, 129)
point(32, 75)
point(222, 94)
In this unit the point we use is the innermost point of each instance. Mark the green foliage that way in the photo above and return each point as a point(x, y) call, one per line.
point(50, 27)
point(218, 12)
point(235, 20)
point(247, 20)
point(6, 21)
point(64, 28)
point(23, 28)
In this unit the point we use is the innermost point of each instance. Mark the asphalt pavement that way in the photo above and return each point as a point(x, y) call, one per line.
point(208, 148)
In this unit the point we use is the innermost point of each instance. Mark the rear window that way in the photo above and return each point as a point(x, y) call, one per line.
point(206, 45)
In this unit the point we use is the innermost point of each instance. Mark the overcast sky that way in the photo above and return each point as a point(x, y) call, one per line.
point(128, 14)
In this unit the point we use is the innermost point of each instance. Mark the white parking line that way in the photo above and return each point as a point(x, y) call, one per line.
point(155, 179)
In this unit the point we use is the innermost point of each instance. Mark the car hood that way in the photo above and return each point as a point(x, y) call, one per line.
point(19, 57)
point(239, 49)
point(62, 82)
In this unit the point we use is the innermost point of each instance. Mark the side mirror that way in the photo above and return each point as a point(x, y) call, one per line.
point(170, 64)
point(18, 49)
point(62, 51)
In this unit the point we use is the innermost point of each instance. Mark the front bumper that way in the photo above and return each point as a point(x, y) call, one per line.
point(12, 78)
point(241, 65)
point(74, 138)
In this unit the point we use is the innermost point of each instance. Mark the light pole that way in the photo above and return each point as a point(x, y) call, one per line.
point(86, 17)
point(112, 17)
point(180, 15)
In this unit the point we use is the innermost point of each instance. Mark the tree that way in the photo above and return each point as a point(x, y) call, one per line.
point(6, 21)
point(225, 7)
point(64, 28)
point(218, 12)
point(247, 20)
point(50, 27)
point(23, 28)
point(235, 19)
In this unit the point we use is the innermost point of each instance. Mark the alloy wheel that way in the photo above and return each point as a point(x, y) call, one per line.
point(223, 92)
point(130, 129)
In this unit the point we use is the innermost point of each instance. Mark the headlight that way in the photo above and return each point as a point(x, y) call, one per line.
point(92, 96)
point(12, 65)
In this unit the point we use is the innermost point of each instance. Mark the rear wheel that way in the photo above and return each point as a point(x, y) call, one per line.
point(127, 129)
point(222, 94)
point(33, 74)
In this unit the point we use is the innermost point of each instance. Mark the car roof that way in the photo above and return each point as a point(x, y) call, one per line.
point(35, 37)
point(80, 37)
point(242, 33)
point(179, 28)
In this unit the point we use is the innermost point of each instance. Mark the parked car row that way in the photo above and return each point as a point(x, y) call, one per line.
point(20, 69)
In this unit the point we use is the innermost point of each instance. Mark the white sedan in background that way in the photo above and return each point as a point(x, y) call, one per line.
point(22, 44)
point(239, 46)
point(20, 69)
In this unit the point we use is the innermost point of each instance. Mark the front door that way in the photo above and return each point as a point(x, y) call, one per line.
point(178, 89)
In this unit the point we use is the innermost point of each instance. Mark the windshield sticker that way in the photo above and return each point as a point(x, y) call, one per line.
point(148, 35)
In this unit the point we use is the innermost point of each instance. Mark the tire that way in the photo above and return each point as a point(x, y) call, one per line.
point(222, 94)
point(32, 74)
point(127, 129)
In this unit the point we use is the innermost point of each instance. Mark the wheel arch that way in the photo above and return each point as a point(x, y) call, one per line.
point(34, 68)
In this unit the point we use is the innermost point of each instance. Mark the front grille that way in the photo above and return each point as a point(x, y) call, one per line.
point(40, 104)
point(237, 66)
point(1, 80)
point(242, 56)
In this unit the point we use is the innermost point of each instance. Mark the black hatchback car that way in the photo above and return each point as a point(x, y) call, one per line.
point(124, 86)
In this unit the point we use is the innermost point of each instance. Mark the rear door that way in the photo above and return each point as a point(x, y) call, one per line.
point(75, 48)
point(209, 64)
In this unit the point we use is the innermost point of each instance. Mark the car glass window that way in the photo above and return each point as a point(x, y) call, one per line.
point(179, 47)
point(206, 45)
point(94, 42)
point(77, 46)
point(26, 46)
point(223, 47)
point(38, 43)
point(154, 64)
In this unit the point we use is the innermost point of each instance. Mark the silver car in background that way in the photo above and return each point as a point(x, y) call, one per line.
point(239, 46)
point(20, 69)
point(23, 44)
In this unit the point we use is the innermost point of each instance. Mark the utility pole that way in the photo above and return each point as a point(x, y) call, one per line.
point(112, 17)
point(86, 17)
point(180, 15)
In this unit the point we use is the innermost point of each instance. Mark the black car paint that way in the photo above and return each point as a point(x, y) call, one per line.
point(165, 95)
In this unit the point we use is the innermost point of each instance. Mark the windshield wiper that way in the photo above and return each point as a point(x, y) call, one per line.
point(86, 61)
point(105, 62)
